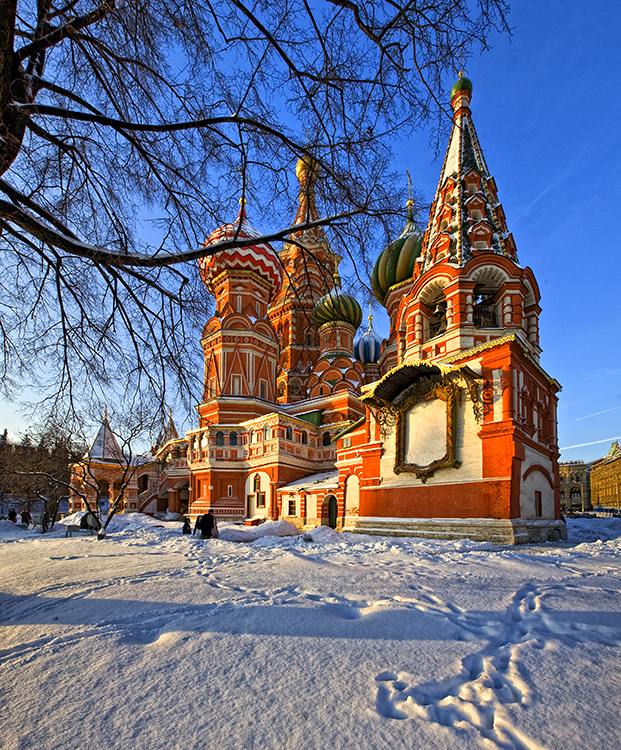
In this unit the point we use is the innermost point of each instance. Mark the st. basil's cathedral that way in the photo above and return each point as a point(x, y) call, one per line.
point(446, 429)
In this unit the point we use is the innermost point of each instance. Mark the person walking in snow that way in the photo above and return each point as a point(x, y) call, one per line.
point(13, 515)
point(186, 528)
point(26, 517)
point(208, 525)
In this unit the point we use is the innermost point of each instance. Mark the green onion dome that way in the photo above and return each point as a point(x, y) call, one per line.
point(461, 84)
point(396, 262)
point(337, 307)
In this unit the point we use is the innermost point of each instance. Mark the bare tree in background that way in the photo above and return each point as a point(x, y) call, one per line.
point(34, 472)
point(130, 128)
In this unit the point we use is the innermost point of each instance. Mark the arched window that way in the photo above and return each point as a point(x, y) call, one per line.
point(483, 308)
point(326, 438)
point(437, 321)
point(288, 433)
point(219, 438)
point(266, 433)
point(257, 483)
point(233, 438)
point(304, 437)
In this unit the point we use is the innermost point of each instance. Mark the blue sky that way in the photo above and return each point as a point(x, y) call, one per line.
point(547, 110)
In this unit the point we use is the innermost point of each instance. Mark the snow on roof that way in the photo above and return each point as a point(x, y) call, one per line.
point(105, 446)
point(320, 481)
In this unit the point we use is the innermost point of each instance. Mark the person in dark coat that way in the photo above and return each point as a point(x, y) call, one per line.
point(186, 528)
point(13, 515)
point(197, 525)
point(26, 517)
point(208, 525)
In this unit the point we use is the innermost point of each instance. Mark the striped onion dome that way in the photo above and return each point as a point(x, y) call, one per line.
point(367, 347)
point(337, 307)
point(260, 258)
point(396, 262)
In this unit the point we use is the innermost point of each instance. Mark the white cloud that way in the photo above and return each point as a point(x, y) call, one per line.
point(593, 442)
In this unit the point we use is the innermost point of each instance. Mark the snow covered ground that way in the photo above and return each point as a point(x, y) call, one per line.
point(154, 640)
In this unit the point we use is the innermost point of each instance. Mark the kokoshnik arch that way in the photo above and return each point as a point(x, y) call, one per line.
point(445, 429)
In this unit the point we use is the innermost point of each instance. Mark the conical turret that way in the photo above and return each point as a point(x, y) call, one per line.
point(466, 217)
point(105, 446)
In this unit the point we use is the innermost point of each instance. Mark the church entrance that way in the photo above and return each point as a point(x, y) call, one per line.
point(330, 505)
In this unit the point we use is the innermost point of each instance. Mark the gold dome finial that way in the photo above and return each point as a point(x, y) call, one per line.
point(242, 209)
point(306, 167)
point(336, 276)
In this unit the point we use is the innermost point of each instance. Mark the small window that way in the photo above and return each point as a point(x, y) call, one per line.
point(257, 483)
point(233, 438)
point(326, 438)
point(262, 389)
point(288, 433)
point(266, 433)
point(229, 490)
point(219, 438)
point(239, 304)
point(260, 499)
point(538, 504)
point(236, 384)
point(293, 508)
point(347, 442)
point(304, 437)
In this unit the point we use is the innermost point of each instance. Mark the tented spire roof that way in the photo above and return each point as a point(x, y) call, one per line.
point(168, 432)
point(466, 216)
point(105, 446)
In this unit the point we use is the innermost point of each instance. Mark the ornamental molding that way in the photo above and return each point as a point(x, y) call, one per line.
point(448, 392)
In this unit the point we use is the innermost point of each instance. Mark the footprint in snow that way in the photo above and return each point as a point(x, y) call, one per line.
point(490, 679)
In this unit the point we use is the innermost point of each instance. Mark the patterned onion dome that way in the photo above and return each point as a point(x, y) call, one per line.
point(396, 262)
point(336, 306)
point(367, 347)
point(260, 258)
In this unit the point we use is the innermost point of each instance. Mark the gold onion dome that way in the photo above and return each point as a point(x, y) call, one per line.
point(337, 307)
point(306, 167)
point(396, 262)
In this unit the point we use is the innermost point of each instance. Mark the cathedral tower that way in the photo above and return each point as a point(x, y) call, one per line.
point(460, 436)
point(308, 268)
point(239, 343)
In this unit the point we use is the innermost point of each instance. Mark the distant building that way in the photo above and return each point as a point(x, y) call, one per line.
point(105, 473)
point(606, 479)
point(575, 477)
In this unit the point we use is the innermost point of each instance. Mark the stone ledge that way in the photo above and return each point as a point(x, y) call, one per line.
point(498, 531)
